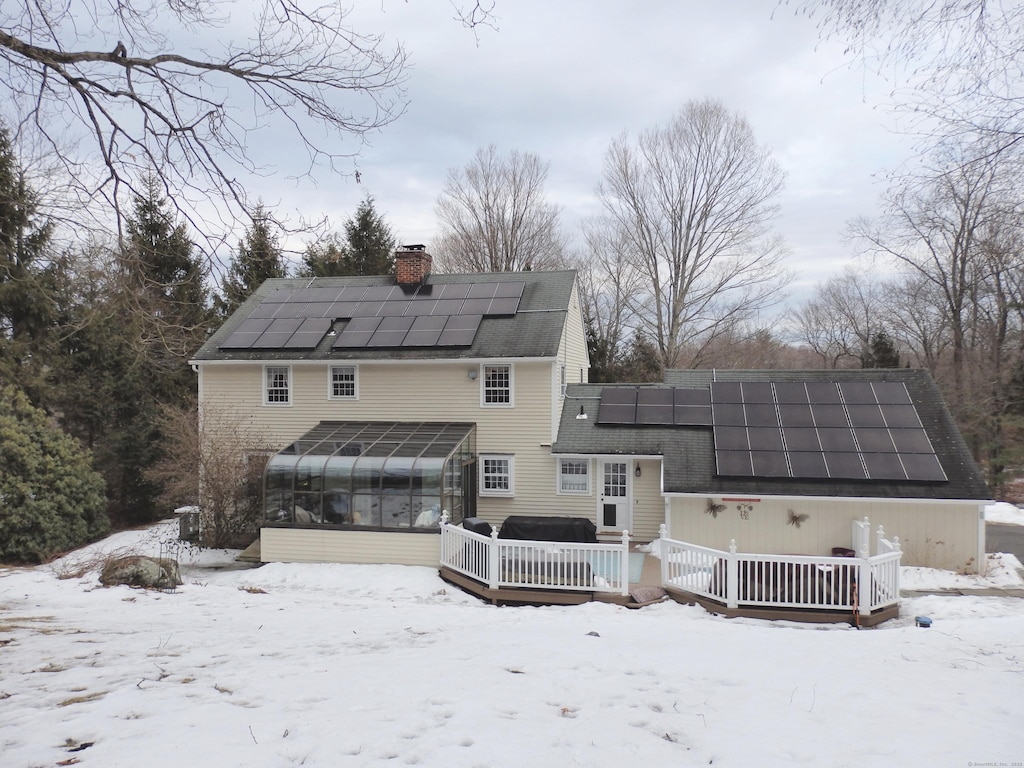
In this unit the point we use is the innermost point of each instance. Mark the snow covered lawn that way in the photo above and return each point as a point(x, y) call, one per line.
point(346, 665)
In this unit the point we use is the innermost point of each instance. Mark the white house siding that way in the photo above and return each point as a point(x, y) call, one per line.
point(932, 534)
point(301, 545)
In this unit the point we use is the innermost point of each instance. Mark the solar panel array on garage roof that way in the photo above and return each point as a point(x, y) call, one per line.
point(378, 315)
point(814, 430)
point(863, 430)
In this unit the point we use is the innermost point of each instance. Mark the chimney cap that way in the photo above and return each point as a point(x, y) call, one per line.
point(415, 247)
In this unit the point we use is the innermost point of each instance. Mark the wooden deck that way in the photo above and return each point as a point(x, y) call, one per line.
point(786, 614)
point(651, 577)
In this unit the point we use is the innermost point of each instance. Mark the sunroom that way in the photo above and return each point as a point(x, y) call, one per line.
point(373, 476)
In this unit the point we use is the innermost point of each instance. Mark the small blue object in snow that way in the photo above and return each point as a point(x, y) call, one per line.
point(923, 621)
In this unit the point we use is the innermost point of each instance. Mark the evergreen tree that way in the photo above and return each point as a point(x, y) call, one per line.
point(26, 312)
point(166, 279)
point(258, 258)
point(881, 353)
point(51, 500)
point(325, 259)
point(368, 248)
point(371, 244)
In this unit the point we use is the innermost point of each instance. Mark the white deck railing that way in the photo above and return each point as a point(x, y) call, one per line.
point(536, 564)
point(856, 584)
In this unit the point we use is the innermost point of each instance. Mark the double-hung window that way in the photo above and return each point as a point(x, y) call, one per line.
point(344, 384)
point(574, 476)
point(496, 478)
point(497, 386)
point(277, 381)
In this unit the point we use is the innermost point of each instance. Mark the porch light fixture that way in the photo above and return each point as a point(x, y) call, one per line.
point(636, 472)
point(472, 374)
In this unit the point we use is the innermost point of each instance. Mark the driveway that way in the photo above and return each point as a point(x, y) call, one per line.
point(1005, 538)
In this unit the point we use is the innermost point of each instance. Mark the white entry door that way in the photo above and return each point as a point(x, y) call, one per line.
point(613, 505)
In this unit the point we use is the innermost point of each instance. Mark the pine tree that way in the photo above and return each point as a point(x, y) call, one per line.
point(259, 258)
point(368, 248)
point(371, 244)
point(882, 352)
point(26, 311)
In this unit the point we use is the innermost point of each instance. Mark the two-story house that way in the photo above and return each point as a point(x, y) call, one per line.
point(394, 399)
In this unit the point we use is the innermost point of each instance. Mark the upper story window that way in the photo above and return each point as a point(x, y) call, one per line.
point(277, 380)
point(497, 385)
point(344, 383)
point(574, 476)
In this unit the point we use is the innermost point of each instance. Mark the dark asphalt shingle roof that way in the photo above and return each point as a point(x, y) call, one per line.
point(689, 456)
point(534, 331)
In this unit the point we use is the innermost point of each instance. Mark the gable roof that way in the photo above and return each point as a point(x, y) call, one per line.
point(534, 330)
point(689, 464)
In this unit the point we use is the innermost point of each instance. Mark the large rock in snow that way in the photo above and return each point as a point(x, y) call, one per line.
point(141, 571)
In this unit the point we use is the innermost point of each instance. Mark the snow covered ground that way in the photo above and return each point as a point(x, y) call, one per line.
point(347, 665)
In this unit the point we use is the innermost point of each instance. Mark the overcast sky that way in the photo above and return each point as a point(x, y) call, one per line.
point(562, 79)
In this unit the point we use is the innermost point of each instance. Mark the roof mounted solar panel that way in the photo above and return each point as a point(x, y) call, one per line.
point(911, 441)
point(511, 290)
point(692, 415)
point(891, 392)
point(857, 392)
point(845, 466)
point(654, 414)
point(765, 439)
point(822, 392)
point(757, 392)
point(502, 305)
point(454, 291)
point(731, 439)
point(884, 466)
point(654, 396)
point(769, 464)
point(726, 392)
point(357, 332)
point(808, 464)
point(425, 331)
point(790, 392)
point(310, 333)
point(619, 395)
point(734, 463)
point(459, 331)
point(683, 396)
point(616, 413)
point(922, 466)
point(728, 414)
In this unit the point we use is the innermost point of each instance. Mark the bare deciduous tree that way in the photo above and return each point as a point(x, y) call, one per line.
point(214, 460)
point(693, 203)
point(961, 61)
point(182, 88)
point(495, 218)
point(842, 317)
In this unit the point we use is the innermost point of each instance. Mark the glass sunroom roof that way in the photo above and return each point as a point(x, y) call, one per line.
point(380, 439)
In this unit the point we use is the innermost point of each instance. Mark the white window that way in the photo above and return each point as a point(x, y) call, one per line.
point(277, 385)
point(574, 476)
point(497, 385)
point(344, 384)
point(496, 475)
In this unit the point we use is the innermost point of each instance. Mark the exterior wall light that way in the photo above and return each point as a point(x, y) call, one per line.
point(636, 472)
point(472, 374)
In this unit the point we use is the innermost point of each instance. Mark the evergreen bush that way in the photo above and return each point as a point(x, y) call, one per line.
point(51, 500)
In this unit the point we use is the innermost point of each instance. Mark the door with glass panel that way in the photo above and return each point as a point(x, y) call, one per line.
point(613, 505)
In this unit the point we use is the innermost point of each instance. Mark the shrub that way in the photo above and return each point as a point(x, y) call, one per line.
point(51, 500)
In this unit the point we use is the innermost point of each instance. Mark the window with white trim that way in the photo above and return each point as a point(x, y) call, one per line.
point(344, 385)
point(497, 385)
point(277, 381)
point(574, 476)
point(496, 475)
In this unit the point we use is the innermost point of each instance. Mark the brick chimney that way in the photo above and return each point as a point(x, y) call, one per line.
point(412, 265)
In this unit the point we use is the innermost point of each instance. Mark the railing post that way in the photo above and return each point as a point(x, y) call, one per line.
point(732, 577)
point(865, 587)
point(624, 563)
point(663, 551)
point(493, 560)
point(880, 542)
